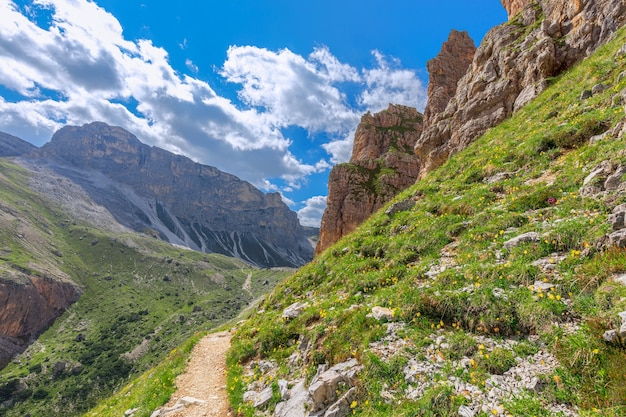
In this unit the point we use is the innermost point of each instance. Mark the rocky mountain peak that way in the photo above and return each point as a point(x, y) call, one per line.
point(371, 143)
point(382, 164)
point(513, 65)
point(183, 202)
point(445, 71)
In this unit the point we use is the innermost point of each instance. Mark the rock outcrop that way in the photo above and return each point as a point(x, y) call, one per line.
point(513, 65)
point(445, 71)
point(183, 202)
point(382, 164)
point(29, 305)
point(513, 7)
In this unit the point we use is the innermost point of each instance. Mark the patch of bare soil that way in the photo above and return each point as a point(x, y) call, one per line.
point(205, 379)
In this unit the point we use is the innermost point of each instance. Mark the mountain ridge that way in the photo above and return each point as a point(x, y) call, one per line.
point(183, 202)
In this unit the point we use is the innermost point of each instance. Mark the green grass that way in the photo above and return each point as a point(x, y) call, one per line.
point(488, 290)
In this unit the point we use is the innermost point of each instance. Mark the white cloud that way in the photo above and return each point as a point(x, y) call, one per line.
point(292, 89)
point(191, 66)
point(340, 149)
point(79, 68)
point(389, 83)
point(311, 213)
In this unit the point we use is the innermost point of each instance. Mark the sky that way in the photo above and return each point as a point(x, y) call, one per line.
point(268, 90)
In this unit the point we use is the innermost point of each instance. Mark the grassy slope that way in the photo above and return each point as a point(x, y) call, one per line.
point(135, 289)
point(385, 263)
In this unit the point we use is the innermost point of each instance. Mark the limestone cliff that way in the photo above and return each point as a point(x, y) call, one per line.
point(513, 65)
point(382, 164)
point(186, 203)
point(30, 304)
point(445, 71)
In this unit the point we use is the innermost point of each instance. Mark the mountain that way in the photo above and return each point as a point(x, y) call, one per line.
point(382, 164)
point(514, 63)
point(87, 303)
point(497, 285)
point(148, 189)
point(14, 146)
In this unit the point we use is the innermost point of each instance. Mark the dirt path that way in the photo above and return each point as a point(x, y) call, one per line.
point(205, 379)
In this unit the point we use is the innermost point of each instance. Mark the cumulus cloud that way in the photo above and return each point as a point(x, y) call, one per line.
point(293, 90)
point(390, 83)
point(311, 213)
point(78, 67)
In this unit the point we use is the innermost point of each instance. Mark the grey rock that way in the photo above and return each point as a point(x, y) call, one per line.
point(600, 137)
point(585, 95)
point(130, 412)
point(614, 180)
point(598, 88)
point(622, 331)
point(501, 176)
point(341, 408)
point(283, 388)
point(398, 207)
point(263, 398)
point(296, 405)
point(617, 217)
point(465, 411)
point(323, 389)
point(258, 399)
point(602, 170)
point(618, 238)
point(294, 310)
point(524, 238)
point(187, 401)
point(610, 336)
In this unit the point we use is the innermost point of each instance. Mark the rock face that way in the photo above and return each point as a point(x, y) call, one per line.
point(382, 164)
point(30, 305)
point(445, 71)
point(512, 66)
point(513, 7)
point(147, 188)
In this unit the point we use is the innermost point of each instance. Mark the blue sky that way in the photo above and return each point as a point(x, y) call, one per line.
point(268, 90)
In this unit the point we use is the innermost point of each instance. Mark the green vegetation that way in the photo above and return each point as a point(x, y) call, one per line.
point(443, 269)
point(141, 299)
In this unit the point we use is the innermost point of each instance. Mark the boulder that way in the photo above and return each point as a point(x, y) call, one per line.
point(618, 238)
point(294, 310)
point(381, 313)
point(323, 389)
point(400, 206)
point(617, 217)
point(296, 405)
point(341, 408)
point(524, 238)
